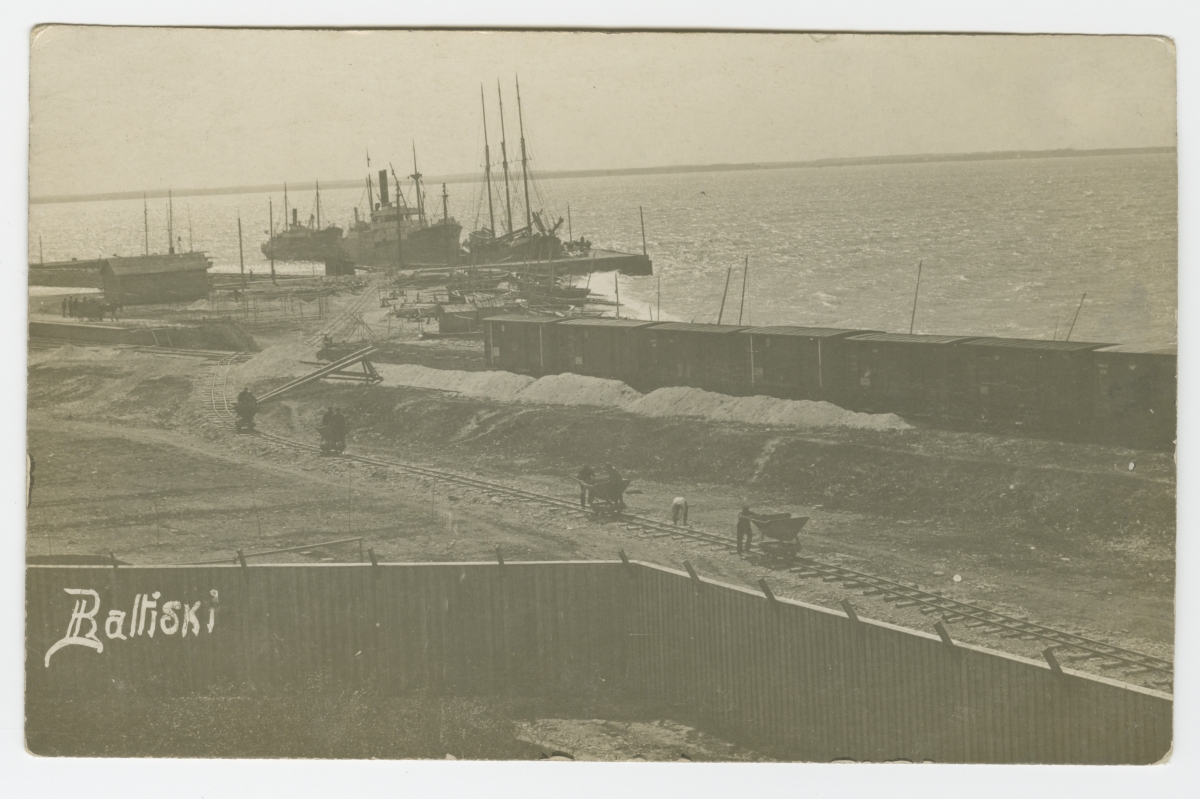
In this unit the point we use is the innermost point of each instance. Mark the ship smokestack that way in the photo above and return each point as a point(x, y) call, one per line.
point(383, 189)
point(295, 216)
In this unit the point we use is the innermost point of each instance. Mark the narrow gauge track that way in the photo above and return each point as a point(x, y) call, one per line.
point(1067, 647)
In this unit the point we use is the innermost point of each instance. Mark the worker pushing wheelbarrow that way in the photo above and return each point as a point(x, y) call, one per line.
point(780, 533)
point(604, 496)
point(244, 410)
point(333, 432)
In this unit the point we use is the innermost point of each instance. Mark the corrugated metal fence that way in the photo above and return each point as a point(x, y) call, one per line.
point(805, 680)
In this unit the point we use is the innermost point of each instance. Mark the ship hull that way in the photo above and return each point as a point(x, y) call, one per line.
point(304, 245)
point(376, 245)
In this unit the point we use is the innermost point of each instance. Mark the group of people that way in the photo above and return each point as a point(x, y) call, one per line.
point(89, 308)
point(610, 483)
point(333, 429)
point(589, 487)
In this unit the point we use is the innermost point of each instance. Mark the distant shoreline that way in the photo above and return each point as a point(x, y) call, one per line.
point(999, 155)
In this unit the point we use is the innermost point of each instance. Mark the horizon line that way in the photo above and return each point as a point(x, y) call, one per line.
point(619, 172)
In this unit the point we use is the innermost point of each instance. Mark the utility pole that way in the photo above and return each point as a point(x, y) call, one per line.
point(271, 235)
point(241, 257)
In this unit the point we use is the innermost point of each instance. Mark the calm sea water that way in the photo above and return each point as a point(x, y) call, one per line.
point(1006, 247)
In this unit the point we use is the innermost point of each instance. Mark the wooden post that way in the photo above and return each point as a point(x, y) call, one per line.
point(913, 320)
point(1048, 654)
point(642, 217)
point(770, 595)
point(846, 606)
point(941, 631)
point(692, 572)
point(721, 313)
point(745, 273)
point(1077, 310)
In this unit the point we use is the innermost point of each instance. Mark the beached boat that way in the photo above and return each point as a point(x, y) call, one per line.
point(536, 246)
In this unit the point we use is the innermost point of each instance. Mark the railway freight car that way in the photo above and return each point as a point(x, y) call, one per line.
point(1036, 383)
point(710, 357)
point(905, 373)
point(804, 363)
point(1135, 394)
point(608, 348)
point(522, 344)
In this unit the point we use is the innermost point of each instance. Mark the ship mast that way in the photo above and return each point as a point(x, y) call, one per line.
point(487, 163)
point(146, 221)
point(170, 224)
point(416, 178)
point(524, 159)
point(445, 205)
point(504, 158)
point(318, 205)
point(287, 224)
point(189, 227)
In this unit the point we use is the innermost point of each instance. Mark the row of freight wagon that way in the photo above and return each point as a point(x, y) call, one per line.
point(1068, 388)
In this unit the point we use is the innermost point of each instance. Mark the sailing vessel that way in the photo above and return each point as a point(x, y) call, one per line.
point(399, 234)
point(536, 246)
point(303, 241)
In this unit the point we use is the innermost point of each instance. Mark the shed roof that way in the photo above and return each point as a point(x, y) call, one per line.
point(524, 319)
point(157, 264)
point(805, 332)
point(1034, 344)
point(908, 338)
point(1137, 349)
point(687, 327)
point(585, 321)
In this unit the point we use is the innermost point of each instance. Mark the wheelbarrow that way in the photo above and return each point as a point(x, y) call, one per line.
point(780, 533)
point(606, 497)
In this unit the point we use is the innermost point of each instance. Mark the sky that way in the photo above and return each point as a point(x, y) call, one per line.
point(133, 109)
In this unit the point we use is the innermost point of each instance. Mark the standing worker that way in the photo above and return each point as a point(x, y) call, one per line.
point(744, 530)
point(65, 302)
point(679, 508)
point(586, 477)
point(616, 486)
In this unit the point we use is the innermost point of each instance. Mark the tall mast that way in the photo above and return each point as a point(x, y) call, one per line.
point(189, 227)
point(445, 205)
point(286, 217)
point(170, 224)
point(146, 221)
point(504, 158)
point(370, 188)
point(318, 205)
point(487, 163)
point(416, 177)
point(524, 158)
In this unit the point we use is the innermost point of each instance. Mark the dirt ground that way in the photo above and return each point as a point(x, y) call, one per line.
point(1077, 536)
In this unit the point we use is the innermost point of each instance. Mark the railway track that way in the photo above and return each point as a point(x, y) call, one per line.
point(1068, 648)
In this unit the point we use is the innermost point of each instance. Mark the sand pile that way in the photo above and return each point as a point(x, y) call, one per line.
point(573, 389)
point(504, 386)
point(69, 352)
point(684, 401)
point(279, 361)
point(677, 401)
